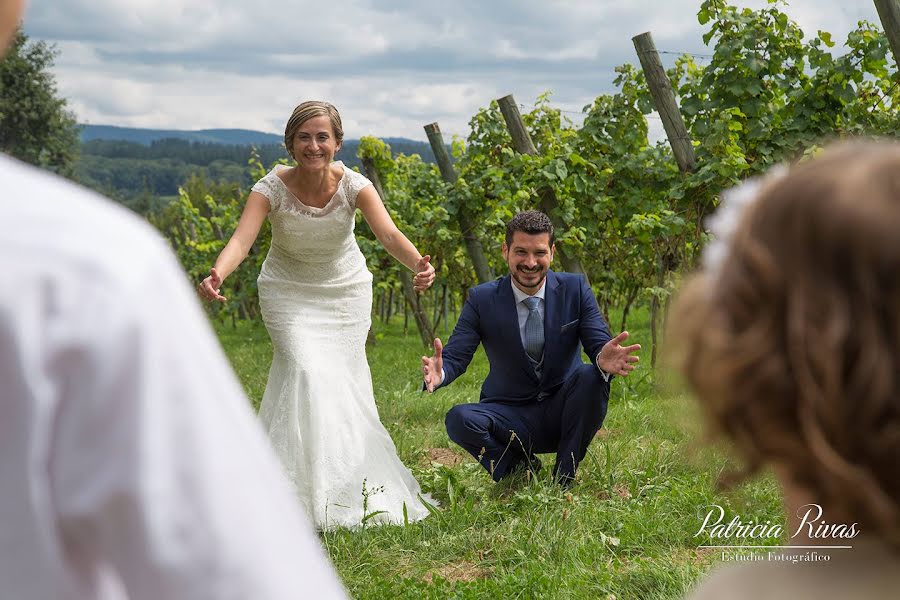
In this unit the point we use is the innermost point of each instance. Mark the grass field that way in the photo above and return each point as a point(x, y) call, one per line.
point(624, 531)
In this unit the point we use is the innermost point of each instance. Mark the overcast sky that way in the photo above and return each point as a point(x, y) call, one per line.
point(390, 66)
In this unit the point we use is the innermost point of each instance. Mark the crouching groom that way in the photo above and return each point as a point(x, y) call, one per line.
point(531, 323)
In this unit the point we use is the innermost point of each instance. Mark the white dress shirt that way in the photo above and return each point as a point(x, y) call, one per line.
point(522, 309)
point(131, 464)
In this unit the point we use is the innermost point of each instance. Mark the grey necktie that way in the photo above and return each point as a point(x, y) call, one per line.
point(534, 329)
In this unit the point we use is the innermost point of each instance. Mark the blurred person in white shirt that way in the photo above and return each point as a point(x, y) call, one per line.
point(131, 464)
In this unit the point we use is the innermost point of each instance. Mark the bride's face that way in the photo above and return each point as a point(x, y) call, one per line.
point(315, 144)
point(10, 14)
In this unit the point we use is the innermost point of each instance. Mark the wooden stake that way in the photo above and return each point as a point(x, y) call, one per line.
point(466, 225)
point(426, 331)
point(889, 13)
point(664, 100)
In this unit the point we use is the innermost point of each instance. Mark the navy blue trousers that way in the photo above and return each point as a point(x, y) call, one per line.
point(565, 423)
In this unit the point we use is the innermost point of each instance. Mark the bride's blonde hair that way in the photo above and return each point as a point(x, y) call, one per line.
point(793, 344)
point(309, 110)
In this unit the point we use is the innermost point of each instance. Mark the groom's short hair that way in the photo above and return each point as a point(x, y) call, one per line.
point(532, 222)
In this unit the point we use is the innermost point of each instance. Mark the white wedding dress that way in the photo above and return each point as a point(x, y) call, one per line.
point(315, 293)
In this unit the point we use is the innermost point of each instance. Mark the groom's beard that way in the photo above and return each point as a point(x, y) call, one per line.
point(517, 275)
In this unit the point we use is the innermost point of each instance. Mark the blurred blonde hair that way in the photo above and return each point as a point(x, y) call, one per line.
point(309, 110)
point(793, 346)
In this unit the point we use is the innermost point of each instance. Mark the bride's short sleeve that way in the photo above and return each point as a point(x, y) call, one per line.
point(270, 190)
point(355, 183)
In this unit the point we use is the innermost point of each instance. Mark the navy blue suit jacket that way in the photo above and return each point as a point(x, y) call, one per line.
point(489, 317)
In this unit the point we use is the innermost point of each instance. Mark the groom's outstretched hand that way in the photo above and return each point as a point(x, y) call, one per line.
point(432, 367)
point(617, 359)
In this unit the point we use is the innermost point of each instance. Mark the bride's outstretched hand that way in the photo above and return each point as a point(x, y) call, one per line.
point(424, 274)
point(211, 286)
point(433, 366)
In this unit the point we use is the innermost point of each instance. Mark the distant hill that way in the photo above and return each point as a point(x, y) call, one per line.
point(228, 137)
point(131, 163)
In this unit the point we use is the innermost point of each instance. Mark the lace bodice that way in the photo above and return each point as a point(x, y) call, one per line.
point(307, 233)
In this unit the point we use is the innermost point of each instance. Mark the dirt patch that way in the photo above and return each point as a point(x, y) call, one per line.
point(461, 571)
point(444, 456)
point(605, 433)
point(703, 555)
point(620, 490)
point(623, 492)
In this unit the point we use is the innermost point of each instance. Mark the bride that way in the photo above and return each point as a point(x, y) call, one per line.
point(315, 294)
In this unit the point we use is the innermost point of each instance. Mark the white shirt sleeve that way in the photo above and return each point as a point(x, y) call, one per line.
point(159, 468)
point(606, 376)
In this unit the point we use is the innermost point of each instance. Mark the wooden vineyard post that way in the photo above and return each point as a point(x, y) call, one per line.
point(466, 225)
point(679, 140)
point(426, 331)
point(664, 100)
point(889, 13)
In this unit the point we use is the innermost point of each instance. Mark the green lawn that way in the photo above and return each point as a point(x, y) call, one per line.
point(625, 531)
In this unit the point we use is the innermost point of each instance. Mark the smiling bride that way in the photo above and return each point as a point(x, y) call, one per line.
point(315, 294)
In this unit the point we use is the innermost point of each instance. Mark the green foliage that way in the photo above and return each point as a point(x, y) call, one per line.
point(34, 124)
point(769, 94)
point(415, 197)
point(128, 171)
point(778, 94)
point(198, 224)
point(194, 153)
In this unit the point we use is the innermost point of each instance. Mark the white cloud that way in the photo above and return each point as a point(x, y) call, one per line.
point(390, 67)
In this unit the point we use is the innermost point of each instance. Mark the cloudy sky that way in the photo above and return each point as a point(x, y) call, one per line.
point(389, 66)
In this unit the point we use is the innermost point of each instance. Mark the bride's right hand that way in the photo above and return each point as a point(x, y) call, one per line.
point(209, 288)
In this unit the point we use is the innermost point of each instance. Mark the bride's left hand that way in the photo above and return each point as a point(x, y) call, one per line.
point(424, 274)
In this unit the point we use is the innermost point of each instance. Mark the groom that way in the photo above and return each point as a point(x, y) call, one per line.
point(539, 396)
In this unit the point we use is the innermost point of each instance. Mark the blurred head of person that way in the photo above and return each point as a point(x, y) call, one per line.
point(10, 15)
point(791, 342)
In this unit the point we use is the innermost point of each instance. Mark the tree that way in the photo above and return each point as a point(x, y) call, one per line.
point(34, 124)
